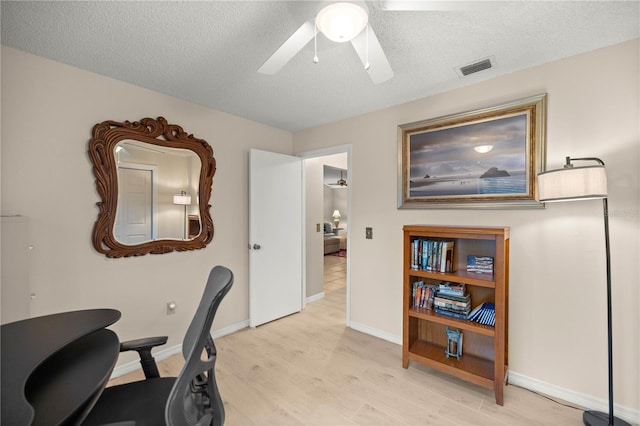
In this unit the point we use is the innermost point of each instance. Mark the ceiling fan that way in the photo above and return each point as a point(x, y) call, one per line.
point(339, 22)
point(340, 183)
point(344, 21)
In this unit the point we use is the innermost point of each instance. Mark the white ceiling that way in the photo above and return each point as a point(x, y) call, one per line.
point(208, 52)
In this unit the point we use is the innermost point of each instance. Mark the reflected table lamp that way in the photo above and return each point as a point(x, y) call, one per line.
point(183, 199)
point(586, 183)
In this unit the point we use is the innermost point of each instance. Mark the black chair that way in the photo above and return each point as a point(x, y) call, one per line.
point(190, 399)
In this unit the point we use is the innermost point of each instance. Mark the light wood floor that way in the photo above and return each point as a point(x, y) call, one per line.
point(335, 272)
point(309, 369)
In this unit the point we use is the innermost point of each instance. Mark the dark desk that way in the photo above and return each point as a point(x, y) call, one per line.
point(55, 367)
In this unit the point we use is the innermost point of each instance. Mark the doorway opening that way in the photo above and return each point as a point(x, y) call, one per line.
point(327, 217)
point(335, 225)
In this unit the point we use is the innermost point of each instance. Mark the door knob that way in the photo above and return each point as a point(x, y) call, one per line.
point(256, 246)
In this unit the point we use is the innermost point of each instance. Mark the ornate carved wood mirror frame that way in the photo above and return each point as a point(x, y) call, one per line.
point(105, 137)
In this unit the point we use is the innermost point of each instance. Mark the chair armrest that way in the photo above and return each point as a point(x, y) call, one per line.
point(144, 343)
point(143, 347)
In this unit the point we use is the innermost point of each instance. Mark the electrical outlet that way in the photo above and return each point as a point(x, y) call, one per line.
point(368, 233)
point(171, 308)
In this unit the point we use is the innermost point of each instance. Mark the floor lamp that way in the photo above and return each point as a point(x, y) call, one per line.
point(586, 183)
point(183, 199)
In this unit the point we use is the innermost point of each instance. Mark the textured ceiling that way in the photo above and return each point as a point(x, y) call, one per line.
point(208, 52)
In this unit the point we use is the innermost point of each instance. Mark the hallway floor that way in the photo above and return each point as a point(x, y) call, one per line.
point(335, 273)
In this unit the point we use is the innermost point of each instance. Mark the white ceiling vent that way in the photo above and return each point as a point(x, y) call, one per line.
point(481, 65)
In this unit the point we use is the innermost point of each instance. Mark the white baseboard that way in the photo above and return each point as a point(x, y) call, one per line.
point(376, 333)
point(315, 297)
point(583, 400)
point(165, 353)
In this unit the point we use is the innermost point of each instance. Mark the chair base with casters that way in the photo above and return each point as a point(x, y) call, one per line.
point(190, 399)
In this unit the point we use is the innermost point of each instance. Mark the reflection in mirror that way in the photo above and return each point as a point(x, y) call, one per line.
point(155, 181)
point(157, 192)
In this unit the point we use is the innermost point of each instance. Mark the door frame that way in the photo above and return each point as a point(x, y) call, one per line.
point(323, 152)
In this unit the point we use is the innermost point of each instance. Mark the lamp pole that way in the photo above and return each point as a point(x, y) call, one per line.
point(593, 418)
point(184, 237)
point(184, 200)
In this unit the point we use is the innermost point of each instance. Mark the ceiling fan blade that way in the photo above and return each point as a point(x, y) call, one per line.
point(289, 48)
point(379, 68)
point(443, 5)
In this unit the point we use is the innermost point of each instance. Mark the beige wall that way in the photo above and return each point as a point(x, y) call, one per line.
point(557, 329)
point(48, 110)
point(314, 250)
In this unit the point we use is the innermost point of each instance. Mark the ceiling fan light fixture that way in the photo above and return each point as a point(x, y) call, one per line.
point(341, 22)
point(341, 181)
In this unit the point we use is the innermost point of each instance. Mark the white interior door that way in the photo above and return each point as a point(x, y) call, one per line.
point(275, 236)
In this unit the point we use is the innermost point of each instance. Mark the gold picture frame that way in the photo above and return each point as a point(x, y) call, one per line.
point(487, 158)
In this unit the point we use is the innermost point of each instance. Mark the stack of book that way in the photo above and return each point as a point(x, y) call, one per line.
point(480, 264)
point(452, 300)
point(484, 314)
point(422, 295)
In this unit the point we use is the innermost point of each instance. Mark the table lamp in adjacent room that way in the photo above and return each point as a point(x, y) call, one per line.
point(586, 183)
point(183, 199)
point(336, 218)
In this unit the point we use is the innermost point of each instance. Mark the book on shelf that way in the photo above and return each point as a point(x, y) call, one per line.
point(484, 313)
point(464, 299)
point(443, 304)
point(449, 313)
point(432, 255)
point(480, 264)
point(422, 295)
point(455, 289)
point(474, 312)
point(454, 309)
point(446, 302)
point(446, 257)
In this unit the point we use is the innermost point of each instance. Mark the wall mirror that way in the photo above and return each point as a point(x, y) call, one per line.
point(154, 181)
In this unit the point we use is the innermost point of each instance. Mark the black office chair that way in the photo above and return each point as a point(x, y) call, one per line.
point(190, 399)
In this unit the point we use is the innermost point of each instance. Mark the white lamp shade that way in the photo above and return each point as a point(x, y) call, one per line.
point(574, 183)
point(183, 200)
point(336, 214)
point(341, 22)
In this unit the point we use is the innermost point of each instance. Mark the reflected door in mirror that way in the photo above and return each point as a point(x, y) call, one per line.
point(134, 218)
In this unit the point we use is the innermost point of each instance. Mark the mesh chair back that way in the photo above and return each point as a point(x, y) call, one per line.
point(194, 399)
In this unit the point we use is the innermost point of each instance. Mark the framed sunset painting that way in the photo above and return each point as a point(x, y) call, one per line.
point(486, 158)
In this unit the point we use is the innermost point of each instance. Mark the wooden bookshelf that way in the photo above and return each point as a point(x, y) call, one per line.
point(484, 358)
